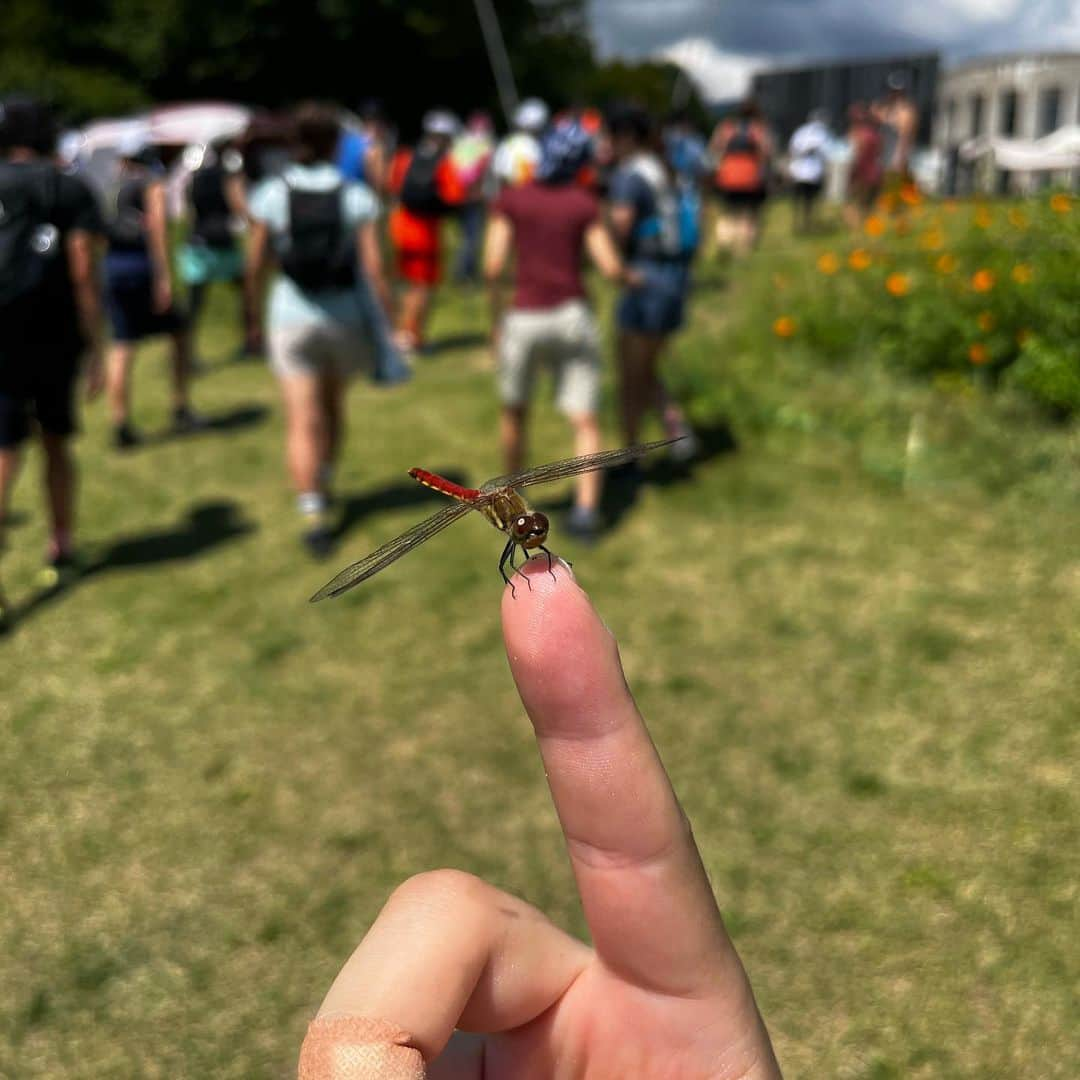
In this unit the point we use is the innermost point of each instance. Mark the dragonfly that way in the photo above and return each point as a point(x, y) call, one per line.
point(500, 501)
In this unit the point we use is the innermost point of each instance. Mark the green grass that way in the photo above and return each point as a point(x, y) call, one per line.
point(861, 665)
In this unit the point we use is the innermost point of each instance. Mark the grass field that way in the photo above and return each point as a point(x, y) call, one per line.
point(856, 640)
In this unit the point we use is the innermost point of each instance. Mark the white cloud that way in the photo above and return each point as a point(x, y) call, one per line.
point(720, 76)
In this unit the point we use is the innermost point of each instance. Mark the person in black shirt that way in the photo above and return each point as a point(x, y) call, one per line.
point(215, 197)
point(139, 289)
point(50, 313)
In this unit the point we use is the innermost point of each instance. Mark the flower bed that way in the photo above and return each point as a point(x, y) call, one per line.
point(991, 291)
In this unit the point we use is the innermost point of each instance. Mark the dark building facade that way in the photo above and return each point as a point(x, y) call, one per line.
point(788, 94)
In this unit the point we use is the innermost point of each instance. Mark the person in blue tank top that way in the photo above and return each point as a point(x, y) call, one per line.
point(361, 151)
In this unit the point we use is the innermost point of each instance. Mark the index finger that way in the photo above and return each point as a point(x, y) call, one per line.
point(644, 891)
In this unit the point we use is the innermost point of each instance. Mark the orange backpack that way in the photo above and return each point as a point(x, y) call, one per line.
point(742, 167)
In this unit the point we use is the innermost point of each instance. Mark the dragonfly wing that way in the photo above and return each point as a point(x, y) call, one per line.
point(392, 550)
point(556, 470)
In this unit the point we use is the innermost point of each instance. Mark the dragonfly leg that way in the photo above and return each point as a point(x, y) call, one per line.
point(508, 554)
point(519, 570)
point(550, 571)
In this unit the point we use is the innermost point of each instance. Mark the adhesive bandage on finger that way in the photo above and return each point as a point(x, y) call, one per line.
point(358, 1048)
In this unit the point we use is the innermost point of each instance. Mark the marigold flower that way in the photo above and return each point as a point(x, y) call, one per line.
point(985, 320)
point(1061, 203)
point(982, 218)
point(828, 263)
point(784, 327)
point(898, 284)
point(945, 264)
point(978, 353)
point(1022, 273)
point(859, 259)
point(875, 226)
point(911, 194)
point(932, 240)
point(1017, 218)
point(1023, 337)
point(983, 281)
point(950, 206)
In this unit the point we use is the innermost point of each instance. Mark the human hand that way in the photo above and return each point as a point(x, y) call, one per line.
point(162, 298)
point(661, 994)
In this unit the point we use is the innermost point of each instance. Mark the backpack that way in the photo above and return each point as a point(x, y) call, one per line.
point(29, 240)
point(742, 167)
point(673, 230)
point(127, 214)
point(212, 211)
point(317, 251)
point(420, 188)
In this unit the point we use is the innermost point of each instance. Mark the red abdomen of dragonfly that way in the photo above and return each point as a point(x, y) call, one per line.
point(446, 487)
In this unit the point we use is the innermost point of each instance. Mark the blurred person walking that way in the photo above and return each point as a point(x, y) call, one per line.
point(50, 317)
point(139, 289)
point(742, 148)
point(218, 206)
point(548, 224)
point(517, 156)
point(427, 190)
point(320, 231)
point(656, 221)
point(362, 153)
point(899, 124)
point(808, 157)
point(471, 156)
point(866, 172)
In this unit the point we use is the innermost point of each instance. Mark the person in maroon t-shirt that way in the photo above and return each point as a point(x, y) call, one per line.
point(548, 223)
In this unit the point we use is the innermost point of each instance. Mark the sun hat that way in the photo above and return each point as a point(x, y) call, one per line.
point(531, 115)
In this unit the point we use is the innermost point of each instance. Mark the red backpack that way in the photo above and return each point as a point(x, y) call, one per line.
point(742, 166)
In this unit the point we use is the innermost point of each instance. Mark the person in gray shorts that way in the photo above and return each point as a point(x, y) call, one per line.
point(548, 224)
point(319, 228)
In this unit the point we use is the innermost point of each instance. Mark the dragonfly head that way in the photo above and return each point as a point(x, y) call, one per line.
point(529, 530)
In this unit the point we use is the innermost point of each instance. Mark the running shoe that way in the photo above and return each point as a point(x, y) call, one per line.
point(58, 572)
point(582, 524)
point(125, 437)
point(186, 420)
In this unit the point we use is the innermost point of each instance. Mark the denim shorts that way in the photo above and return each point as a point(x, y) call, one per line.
point(659, 306)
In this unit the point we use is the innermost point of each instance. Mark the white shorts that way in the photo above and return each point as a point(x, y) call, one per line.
point(321, 348)
point(564, 338)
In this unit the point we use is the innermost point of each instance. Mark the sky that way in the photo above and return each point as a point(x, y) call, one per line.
point(721, 42)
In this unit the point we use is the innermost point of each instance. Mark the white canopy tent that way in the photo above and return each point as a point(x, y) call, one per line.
point(1056, 152)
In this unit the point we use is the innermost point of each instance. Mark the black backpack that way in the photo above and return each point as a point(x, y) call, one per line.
point(212, 211)
point(317, 252)
point(125, 224)
point(419, 189)
point(30, 241)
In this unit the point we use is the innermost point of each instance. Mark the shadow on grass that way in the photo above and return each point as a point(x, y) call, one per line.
point(437, 346)
point(355, 508)
point(622, 487)
point(205, 527)
point(243, 416)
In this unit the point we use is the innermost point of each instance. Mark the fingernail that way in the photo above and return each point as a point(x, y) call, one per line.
point(568, 567)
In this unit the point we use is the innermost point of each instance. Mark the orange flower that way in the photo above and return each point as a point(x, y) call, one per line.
point(886, 203)
point(784, 327)
point(1023, 337)
point(986, 321)
point(828, 263)
point(911, 194)
point(780, 282)
point(859, 259)
point(875, 226)
point(978, 353)
point(1017, 218)
point(945, 264)
point(1061, 203)
point(1022, 274)
point(982, 218)
point(932, 240)
point(898, 284)
point(983, 280)
point(950, 206)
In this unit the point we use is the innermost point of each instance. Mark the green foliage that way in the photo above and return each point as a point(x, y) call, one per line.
point(949, 289)
point(95, 57)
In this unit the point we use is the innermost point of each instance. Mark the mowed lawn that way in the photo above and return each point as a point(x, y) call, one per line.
point(856, 641)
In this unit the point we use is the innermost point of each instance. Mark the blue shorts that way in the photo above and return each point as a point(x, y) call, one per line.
point(659, 306)
point(129, 300)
